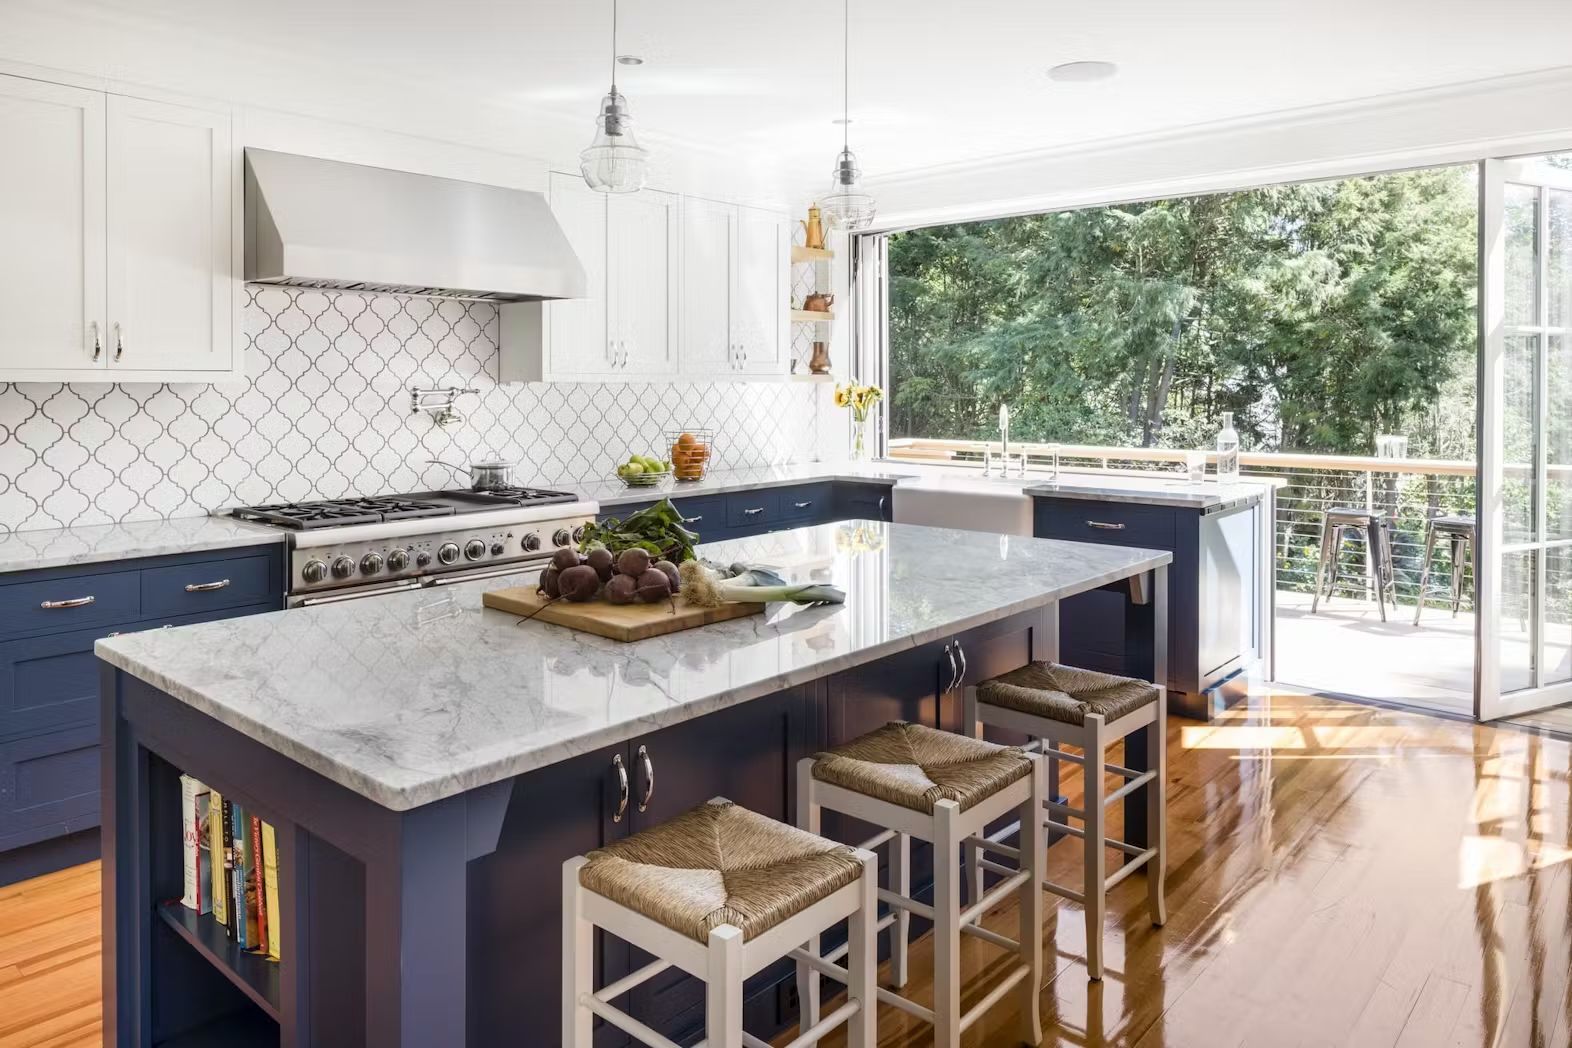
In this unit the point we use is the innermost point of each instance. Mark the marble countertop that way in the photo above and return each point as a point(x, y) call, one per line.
point(615, 493)
point(1159, 491)
point(62, 547)
point(413, 697)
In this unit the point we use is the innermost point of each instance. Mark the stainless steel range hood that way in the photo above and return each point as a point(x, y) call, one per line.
point(324, 224)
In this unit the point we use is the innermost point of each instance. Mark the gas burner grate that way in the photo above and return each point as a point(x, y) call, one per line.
point(528, 496)
point(333, 513)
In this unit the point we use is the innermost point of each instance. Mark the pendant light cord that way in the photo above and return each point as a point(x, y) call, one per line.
point(845, 74)
point(614, 48)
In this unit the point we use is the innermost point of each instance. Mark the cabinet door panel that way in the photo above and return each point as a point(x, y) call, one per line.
point(52, 211)
point(745, 754)
point(577, 339)
point(642, 239)
point(48, 786)
point(515, 908)
point(171, 275)
point(759, 316)
point(707, 244)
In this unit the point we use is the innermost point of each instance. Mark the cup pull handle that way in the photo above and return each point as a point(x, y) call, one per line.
point(622, 787)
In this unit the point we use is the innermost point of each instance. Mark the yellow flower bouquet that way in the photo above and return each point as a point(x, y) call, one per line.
point(860, 399)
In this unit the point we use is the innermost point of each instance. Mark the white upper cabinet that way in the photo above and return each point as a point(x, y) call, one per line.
point(763, 314)
point(52, 313)
point(119, 261)
point(641, 240)
point(735, 313)
point(579, 342)
point(171, 282)
point(708, 236)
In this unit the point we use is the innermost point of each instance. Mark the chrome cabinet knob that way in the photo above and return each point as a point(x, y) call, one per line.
point(474, 549)
point(343, 567)
point(448, 552)
point(314, 571)
point(371, 564)
point(398, 560)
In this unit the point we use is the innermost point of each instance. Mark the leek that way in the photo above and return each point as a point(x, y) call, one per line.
point(710, 586)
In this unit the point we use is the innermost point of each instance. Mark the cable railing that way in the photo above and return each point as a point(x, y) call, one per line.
point(1408, 491)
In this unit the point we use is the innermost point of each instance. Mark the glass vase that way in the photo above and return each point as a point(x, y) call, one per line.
point(859, 440)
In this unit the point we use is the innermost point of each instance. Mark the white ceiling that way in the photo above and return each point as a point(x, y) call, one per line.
point(933, 81)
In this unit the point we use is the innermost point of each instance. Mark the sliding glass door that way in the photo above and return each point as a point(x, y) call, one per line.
point(1524, 637)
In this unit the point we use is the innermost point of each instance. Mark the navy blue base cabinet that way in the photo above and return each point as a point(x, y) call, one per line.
point(345, 863)
point(49, 680)
point(738, 514)
point(1214, 588)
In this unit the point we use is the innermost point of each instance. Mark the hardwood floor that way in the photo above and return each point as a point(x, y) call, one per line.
point(1339, 875)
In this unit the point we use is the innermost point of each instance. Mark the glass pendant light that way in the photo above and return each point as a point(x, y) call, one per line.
point(846, 206)
point(614, 162)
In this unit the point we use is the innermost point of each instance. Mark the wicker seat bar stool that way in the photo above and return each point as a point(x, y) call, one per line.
point(719, 892)
point(942, 788)
point(1060, 705)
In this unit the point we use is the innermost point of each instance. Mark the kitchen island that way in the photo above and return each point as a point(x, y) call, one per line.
point(428, 764)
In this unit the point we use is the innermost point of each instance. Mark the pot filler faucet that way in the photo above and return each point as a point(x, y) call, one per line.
point(1004, 454)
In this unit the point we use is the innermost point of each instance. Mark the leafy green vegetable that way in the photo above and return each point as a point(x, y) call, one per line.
point(656, 529)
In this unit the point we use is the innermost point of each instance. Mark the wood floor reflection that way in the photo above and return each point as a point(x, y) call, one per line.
point(1339, 875)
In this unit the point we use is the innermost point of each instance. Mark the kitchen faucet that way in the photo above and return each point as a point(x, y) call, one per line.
point(1004, 452)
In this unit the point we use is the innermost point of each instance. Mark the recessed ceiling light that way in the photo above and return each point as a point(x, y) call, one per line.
point(1082, 72)
point(630, 60)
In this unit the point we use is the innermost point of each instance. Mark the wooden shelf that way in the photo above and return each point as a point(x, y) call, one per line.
point(811, 254)
point(811, 316)
point(255, 975)
point(810, 377)
point(241, 1030)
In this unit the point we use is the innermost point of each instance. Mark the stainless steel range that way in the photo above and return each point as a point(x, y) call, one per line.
point(342, 549)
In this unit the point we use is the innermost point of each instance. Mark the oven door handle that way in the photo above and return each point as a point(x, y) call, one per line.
point(335, 598)
point(482, 573)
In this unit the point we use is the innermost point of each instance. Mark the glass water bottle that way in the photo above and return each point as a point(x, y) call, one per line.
point(1227, 451)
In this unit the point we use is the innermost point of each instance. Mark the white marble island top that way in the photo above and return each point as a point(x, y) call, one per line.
point(413, 697)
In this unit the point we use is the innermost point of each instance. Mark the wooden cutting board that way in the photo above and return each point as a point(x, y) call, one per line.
point(625, 622)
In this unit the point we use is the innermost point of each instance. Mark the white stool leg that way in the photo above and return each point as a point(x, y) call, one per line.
point(1095, 852)
point(578, 959)
point(946, 925)
point(807, 819)
point(900, 884)
point(1034, 857)
point(862, 962)
point(971, 726)
point(1157, 817)
point(723, 989)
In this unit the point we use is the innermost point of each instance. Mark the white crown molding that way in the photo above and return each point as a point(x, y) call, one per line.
point(1524, 113)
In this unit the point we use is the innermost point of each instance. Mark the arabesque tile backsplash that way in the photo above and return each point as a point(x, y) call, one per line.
point(325, 411)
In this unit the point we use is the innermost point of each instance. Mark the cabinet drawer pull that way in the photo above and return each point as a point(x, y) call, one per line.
point(949, 650)
point(754, 512)
point(649, 779)
point(206, 587)
point(74, 602)
point(803, 505)
point(1104, 526)
point(98, 343)
point(693, 520)
point(120, 342)
point(961, 651)
point(622, 787)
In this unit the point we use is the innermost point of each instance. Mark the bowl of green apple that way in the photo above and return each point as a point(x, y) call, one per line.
point(642, 471)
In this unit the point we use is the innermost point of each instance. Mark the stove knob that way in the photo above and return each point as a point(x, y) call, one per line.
point(474, 549)
point(561, 537)
point(578, 533)
point(343, 567)
point(314, 571)
point(371, 564)
point(531, 542)
point(448, 552)
point(422, 558)
point(398, 560)
point(497, 548)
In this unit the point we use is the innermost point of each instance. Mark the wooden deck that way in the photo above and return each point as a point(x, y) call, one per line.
point(1339, 875)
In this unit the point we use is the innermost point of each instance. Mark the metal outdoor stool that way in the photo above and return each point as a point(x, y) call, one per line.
point(1460, 530)
point(1377, 531)
point(719, 892)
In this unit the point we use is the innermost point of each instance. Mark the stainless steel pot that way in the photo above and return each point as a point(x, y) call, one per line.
point(483, 476)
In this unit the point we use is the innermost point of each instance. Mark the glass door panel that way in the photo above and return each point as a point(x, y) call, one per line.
point(1525, 440)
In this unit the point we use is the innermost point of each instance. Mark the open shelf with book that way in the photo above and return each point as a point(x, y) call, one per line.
point(254, 974)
